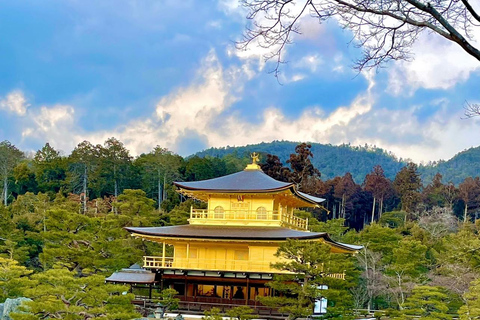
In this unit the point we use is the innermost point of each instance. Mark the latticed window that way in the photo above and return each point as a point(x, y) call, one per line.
point(261, 213)
point(218, 212)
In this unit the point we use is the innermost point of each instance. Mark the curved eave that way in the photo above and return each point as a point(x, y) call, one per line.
point(232, 190)
point(225, 233)
point(311, 200)
point(156, 233)
point(306, 197)
point(345, 246)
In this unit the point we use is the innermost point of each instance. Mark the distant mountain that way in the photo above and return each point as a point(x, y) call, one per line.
point(464, 164)
point(333, 161)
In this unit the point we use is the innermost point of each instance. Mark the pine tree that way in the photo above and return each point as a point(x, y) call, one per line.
point(57, 293)
point(426, 302)
point(13, 279)
point(471, 309)
point(309, 263)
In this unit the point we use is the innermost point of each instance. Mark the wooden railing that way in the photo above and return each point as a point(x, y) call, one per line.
point(217, 265)
point(294, 221)
point(206, 264)
point(340, 276)
point(286, 219)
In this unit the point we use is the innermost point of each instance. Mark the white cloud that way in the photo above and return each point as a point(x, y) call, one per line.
point(195, 109)
point(214, 24)
point(232, 8)
point(312, 125)
point(55, 124)
point(310, 62)
point(298, 77)
point(437, 64)
point(201, 112)
point(15, 102)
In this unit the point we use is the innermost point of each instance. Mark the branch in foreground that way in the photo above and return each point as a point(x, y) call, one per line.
point(471, 110)
point(385, 29)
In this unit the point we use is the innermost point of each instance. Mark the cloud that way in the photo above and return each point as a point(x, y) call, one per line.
point(312, 125)
point(186, 116)
point(15, 102)
point(310, 62)
point(233, 8)
point(200, 115)
point(55, 124)
point(437, 64)
point(298, 77)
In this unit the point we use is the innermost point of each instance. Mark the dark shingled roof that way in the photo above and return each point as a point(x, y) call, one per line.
point(226, 232)
point(132, 276)
point(246, 181)
point(235, 233)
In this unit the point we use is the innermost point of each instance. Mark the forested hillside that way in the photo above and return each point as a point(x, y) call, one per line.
point(333, 161)
point(464, 164)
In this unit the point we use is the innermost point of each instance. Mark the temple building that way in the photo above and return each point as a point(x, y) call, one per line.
point(223, 256)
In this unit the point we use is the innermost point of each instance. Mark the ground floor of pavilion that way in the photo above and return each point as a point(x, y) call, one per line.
point(201, 290)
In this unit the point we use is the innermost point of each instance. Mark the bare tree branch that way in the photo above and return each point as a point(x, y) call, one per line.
point(471, 110)
point(385, 29)
point(471, 10)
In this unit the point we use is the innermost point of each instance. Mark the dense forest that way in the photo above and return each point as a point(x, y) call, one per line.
point(334, 161)
point(62, 219)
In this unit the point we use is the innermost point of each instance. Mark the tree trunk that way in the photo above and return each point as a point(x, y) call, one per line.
point(164, 194)
point(160, 192)
point(116, 195)
point(381, 208)
point(465, 213)
point(115, 191)
point(5, 190)
point(373, 210)
point(85, 190)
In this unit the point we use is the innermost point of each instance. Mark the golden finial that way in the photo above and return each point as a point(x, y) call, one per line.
point(254, 165)
point(255, 158)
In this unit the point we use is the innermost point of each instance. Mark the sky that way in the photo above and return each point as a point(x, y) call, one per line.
point(167, 73)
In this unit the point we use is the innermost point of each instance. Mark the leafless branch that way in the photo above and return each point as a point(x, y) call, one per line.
point(471, 110)
point(385, 29)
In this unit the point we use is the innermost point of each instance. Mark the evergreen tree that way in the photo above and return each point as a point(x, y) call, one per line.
point(159, 168)
point(83, 162)
point(58, 294)
point(115, 168)
point(471, 309)
point(50, 169)
point(407, 184)
point(426, 302)
point(309, 265)
point(24, 178)
point(13, 279)
point(10, 156)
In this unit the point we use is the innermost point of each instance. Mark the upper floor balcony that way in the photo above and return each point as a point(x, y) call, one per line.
point(220, 265)
point(259, 217)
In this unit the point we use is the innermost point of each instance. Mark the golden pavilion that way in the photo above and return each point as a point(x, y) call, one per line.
point(223, 256)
